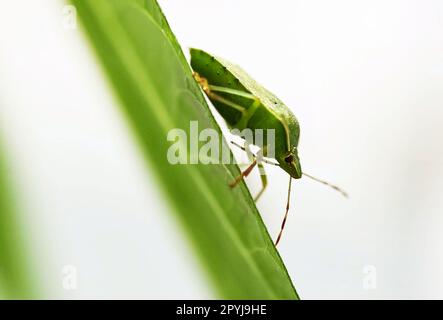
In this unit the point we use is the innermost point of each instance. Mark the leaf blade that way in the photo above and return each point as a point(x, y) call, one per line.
point(15, 272)
point(157, 93)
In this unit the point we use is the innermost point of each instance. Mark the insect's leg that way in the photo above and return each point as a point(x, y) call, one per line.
point(232, 91)
point(203, 82)
point(231, 104)
point(249, 153)
point(243, 174)
point(264, 180)
point(207, 89)
point(263, 177)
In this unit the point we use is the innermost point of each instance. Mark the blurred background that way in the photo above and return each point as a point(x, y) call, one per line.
point(364, 78)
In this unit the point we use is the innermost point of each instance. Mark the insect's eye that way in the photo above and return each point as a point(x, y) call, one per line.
point(289, 158)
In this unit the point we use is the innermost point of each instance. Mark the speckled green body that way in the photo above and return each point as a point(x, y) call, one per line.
point(269, 113)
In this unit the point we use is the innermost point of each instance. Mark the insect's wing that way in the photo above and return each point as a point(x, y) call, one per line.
point(274, 106)
point(267, 98)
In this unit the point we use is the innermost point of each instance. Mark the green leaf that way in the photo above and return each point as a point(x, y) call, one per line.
point(154, 85)
point(15, 276)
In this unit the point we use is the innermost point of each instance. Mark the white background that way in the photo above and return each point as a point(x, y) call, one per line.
point(365, 80)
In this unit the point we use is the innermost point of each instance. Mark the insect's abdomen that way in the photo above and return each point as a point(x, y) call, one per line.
point(217, 74)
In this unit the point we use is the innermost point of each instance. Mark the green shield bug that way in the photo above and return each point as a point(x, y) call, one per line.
point(243, 103)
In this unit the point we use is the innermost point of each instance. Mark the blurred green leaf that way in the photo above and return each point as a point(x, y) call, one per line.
point(154, 85)
point(15, 276)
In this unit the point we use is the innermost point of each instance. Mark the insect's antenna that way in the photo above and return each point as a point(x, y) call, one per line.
point(344, 193)
point(286, 213)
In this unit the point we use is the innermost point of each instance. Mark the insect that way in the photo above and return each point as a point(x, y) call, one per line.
point(243, 103)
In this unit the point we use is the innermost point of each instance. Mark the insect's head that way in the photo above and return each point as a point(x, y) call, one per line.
point(291, 163)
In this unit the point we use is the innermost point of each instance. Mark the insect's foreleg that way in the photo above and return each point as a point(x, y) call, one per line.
point(264, 180)
point(243, 174)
